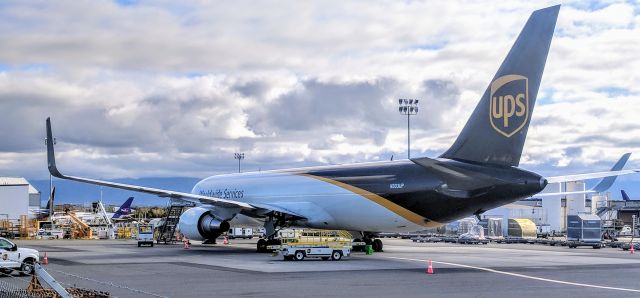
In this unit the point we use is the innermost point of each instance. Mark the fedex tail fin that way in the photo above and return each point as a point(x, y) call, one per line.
point(497, 129)
point(124, 209)
point(625, 196)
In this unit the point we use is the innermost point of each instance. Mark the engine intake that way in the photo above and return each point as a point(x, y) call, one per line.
point(199, 223)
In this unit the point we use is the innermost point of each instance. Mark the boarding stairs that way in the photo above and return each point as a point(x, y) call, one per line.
point(167, 230)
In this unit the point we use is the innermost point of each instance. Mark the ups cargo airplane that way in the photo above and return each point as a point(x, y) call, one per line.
point(479, 172)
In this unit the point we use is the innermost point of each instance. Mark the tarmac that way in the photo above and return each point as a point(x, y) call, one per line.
point(493, 270)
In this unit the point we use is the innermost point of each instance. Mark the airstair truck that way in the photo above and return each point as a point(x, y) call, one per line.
point(326, 244)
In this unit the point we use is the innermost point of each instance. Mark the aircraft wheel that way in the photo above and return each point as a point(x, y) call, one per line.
point(377, 245)
point(358, 247)
point(262, 245)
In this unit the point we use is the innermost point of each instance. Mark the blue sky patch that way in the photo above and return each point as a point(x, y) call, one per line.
point(614, 91)
point(126, 2)
point(36, 67)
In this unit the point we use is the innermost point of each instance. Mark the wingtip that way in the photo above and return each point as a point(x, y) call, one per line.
point(550, 8)
point(51, 158)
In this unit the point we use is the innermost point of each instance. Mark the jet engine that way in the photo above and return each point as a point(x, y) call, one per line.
point(199, 223)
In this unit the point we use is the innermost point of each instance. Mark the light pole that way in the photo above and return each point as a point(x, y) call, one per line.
point(239, 157)
point(408, 107)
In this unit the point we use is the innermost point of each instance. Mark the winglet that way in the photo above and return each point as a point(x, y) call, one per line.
point(51, 157)
point(608, 181)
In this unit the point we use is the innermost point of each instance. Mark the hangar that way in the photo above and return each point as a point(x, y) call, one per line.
point(17, 197)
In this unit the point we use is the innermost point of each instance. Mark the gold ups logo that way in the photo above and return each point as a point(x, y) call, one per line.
point(509, 104)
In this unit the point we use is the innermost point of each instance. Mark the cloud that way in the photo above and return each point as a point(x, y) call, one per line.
point(139, 89)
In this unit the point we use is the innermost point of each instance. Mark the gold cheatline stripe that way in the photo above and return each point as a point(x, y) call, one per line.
point(393, 207)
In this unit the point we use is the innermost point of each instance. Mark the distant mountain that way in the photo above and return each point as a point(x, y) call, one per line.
point(72, 192)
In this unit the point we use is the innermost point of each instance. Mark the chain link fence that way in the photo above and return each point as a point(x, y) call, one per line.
point(28, 286)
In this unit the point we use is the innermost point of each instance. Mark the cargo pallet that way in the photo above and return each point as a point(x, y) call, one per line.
point(473, 241)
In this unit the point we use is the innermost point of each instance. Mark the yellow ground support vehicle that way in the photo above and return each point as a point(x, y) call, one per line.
point(325, 244)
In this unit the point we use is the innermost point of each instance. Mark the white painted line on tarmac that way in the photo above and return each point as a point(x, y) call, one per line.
point(521, 275)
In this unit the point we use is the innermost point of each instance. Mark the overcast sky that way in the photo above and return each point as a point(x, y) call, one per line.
point(174, 88)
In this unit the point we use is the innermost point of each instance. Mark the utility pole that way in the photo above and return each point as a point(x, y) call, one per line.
point(239, 157)
point(408, 107)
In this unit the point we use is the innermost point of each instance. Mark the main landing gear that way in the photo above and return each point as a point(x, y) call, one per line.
point(274, 220)
point(263, 243)
point(375, 243)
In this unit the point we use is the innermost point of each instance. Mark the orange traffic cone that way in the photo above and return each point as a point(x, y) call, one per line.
point(226, 240)
point(430, 268)
point(45, 260)
point(632, 249)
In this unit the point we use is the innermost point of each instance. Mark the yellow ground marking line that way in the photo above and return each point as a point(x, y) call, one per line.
point(521, 275)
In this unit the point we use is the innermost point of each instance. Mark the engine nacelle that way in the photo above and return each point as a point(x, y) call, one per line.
point(199, 223)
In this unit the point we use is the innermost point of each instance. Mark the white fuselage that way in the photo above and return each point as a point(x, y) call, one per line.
point(325, 205)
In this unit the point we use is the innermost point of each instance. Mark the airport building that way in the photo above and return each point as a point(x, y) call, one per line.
point(550, 213)
point(17, 197)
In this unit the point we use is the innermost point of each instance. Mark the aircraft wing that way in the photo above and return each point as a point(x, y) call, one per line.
point(609, 177)
point(155, 191)
point(578, 177)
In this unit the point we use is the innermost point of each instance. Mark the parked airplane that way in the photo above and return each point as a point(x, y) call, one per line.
point(479, 172)
point(44, 212)
point(625, 196)
point(92, 217)
point(124, 210)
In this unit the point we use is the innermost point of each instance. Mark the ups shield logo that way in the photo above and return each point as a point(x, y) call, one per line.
point(509, 104)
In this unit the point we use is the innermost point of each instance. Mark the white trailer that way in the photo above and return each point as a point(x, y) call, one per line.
point(244, 233)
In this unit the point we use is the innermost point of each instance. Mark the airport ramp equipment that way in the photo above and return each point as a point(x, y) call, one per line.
point(325, 244)
point(584, 230)
point(492, 227)
point(167, 230)
point(522, 228)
